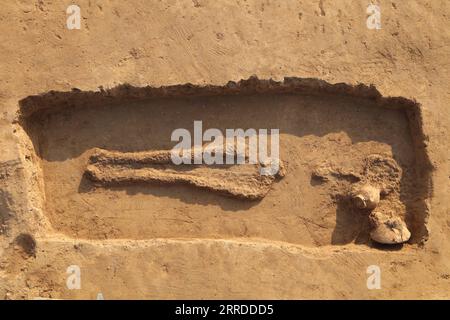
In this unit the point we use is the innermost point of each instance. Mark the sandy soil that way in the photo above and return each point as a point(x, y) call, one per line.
point(144, 229)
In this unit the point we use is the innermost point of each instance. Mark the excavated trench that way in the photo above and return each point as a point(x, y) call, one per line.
point(327, 133)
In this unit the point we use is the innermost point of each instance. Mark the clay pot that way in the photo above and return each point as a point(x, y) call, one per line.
point(366, 197)
point(388, 229)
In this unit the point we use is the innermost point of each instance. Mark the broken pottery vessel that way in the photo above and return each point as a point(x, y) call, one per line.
point(388, 229)
point(366, 197)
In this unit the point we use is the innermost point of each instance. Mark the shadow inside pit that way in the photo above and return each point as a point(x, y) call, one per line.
point(386, 247)
point(352, 225)
point(69, 133)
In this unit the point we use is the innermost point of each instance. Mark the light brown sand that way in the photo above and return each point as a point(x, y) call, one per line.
point(300, 237)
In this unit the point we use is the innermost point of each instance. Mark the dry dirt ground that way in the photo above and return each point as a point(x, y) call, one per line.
point(345, 98)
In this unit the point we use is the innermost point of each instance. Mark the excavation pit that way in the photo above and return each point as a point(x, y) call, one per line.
point(320, 125)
